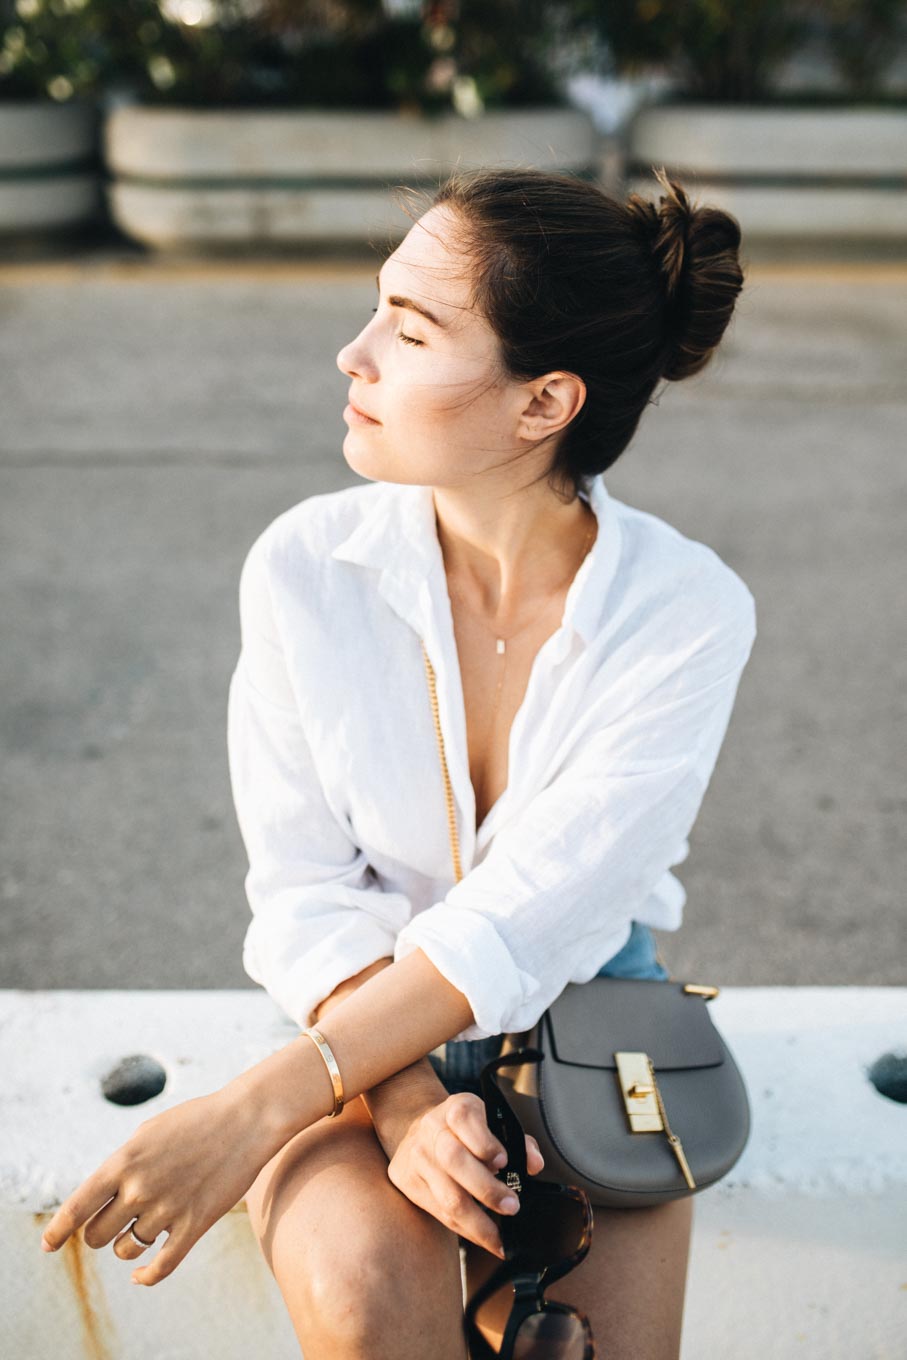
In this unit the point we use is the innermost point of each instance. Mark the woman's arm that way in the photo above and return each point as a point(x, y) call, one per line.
point(392, 1104)
point(319, 916)
point(389, 1022)
point(186, 1166)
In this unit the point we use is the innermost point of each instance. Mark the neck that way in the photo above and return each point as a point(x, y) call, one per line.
point(504, 554)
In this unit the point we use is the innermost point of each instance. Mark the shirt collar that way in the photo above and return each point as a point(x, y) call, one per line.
point(397, 535)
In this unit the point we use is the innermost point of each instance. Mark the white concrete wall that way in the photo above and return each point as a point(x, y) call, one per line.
point(41, 144)
point(195, 178)
point(800, 1251)
point(788, 173)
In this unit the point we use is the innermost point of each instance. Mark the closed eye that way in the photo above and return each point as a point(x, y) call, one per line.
point(409, 339)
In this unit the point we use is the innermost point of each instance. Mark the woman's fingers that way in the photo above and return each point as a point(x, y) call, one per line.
point(470, 1174)
point(534, 1159)
point(147, 1225)
point(458, 1211)
point(449, 1169)
point(168, 1258)
point(80, 1206)
point(127, 1249)
point(464, 1113)
point(114, 1218)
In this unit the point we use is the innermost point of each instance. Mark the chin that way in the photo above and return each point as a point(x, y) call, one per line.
point(363, 460)
point(376, 466)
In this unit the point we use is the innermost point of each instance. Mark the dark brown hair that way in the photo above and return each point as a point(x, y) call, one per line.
point(621, 293)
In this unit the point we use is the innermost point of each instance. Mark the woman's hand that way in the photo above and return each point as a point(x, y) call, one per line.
point(178, 1173)
point(445, 1162)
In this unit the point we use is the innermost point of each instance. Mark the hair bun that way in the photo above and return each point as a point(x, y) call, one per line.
point(670, 245)
point(695, 251)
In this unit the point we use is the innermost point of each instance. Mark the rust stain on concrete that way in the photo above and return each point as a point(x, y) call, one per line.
point(97, 1325)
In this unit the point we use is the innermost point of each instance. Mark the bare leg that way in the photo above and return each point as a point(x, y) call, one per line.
point(363, 1271)
point(631, 1286)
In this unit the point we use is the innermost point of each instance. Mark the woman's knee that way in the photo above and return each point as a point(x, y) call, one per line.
point(354, 1258)
point(382, 1276)
point(310, 1174)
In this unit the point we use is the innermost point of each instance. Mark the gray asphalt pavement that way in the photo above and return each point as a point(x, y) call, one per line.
point(154, 418)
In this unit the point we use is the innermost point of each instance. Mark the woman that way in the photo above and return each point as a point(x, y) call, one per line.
point(587, 658)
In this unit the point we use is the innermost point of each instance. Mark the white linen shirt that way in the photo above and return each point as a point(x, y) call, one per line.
point(337, 782)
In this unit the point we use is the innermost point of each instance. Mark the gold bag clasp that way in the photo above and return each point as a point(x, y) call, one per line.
point(644, 1106)
point(637, 1087)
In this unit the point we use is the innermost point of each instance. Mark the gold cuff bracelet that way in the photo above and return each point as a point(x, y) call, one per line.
point(324, 1049)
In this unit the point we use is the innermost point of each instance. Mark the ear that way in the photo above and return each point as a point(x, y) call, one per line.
point(553, 401)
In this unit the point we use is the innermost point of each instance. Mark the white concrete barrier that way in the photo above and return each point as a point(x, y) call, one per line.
point(49, 176)
point(786, 172)
point(800, 1251)
point(201, 179)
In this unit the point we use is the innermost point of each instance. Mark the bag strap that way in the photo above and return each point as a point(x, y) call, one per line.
point(448, 791)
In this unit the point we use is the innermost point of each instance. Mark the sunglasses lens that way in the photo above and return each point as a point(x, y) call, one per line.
point(550, 1230)
point(550, 1336)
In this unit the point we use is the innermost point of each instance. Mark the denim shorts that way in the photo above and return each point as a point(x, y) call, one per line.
point(459, 1064)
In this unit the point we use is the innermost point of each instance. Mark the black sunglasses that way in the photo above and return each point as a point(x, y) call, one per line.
point(550, 1233)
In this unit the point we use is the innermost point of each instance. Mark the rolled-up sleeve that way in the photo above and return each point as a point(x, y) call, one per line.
point(553, 898)
point(318, 916)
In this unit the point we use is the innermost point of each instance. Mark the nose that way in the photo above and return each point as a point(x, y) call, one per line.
point(355, 360)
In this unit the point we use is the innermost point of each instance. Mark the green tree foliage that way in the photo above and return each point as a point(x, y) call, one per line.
point(428, 57)
point(864, 37)
point(425, 55)
point(728, 51)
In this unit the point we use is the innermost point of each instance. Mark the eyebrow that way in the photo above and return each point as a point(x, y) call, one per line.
point(410, 305)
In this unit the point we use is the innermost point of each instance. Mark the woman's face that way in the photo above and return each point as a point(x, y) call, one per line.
point(444, 408)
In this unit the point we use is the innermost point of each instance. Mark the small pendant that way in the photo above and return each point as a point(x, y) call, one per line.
point(500, 646)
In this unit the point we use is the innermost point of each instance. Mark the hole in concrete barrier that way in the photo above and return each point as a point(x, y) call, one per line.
point(888, 1075)
point(134, 1080)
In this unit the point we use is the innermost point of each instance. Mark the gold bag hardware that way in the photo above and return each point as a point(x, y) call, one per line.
point(638, 1092)
point(644, 1105)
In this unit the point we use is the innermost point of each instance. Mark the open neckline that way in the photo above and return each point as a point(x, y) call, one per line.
point(457, 699)
point(517, 717)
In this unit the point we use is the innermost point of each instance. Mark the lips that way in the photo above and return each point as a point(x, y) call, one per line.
point(361, 412)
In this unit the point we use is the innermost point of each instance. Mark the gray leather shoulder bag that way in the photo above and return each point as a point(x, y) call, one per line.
point(637, 1099)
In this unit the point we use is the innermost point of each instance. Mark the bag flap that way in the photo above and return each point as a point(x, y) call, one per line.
point(591, 1021)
